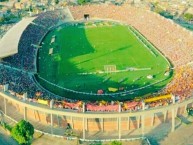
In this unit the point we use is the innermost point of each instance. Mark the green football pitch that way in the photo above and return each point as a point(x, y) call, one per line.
point(80, 58)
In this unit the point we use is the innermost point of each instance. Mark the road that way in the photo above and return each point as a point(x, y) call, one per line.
point(6, 139)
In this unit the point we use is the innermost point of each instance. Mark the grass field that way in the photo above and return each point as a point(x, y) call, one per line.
point(100, 56)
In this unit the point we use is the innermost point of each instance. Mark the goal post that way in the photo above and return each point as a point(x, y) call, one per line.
point(110, 68)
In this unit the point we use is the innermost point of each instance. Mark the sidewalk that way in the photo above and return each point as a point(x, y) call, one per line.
point(6, 139)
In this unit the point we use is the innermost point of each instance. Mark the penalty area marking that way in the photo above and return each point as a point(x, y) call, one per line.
point(116, 71)
point(151, 51)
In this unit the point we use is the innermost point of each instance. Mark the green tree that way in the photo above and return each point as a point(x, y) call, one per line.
point(116, 143)
point(188, 17)
point(57, 1)
point(23, 132)
point(80, 2)
point(2, 19)
point(30, 8)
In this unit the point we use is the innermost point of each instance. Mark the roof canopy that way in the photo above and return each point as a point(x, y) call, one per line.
point(9, 42)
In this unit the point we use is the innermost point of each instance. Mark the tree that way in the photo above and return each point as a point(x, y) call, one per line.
point(23, 132)
point(188, 17)
point(30, 8)
point(80, 2)
point(2, 19)
point(57, 1)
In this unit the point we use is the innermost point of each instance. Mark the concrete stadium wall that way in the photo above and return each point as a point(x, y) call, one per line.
point(49, 120)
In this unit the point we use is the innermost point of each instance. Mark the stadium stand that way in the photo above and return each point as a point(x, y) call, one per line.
point(159, 31)
point(17, 70)
point(31, 37)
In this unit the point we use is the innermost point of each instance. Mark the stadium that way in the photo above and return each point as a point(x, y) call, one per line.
point(96, 68)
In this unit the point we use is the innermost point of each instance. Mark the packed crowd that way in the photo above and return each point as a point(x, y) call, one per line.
point(182, 84)
point(26, 56)
point(161, 32)
point(29, 42)
point(49, 19)
point(20, 82)
point(158, 30)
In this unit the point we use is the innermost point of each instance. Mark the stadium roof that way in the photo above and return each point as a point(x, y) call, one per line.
point(9, 42)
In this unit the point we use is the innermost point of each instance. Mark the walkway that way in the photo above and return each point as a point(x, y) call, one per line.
point(6, 139)
point(182, 136)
